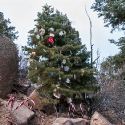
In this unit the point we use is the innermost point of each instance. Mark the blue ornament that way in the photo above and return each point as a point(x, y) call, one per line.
point(51, 74)
point(25, 52)
point(57, 60)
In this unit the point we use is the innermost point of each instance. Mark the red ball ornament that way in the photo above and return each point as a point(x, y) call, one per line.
point(51, 39)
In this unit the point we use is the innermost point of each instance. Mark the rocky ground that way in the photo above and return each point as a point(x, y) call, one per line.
point(39, 118)
point(111, 105)
point(7, 118)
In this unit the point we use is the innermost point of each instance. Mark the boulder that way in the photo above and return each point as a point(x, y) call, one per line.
point(98, 119)
point(22, 115)
point(69, 121)
point(30, 90)
point(36, 98)
point(63, 121)
point(8, 65)
point(80, 121)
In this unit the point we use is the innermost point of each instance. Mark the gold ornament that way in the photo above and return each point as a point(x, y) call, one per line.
point(82, 72)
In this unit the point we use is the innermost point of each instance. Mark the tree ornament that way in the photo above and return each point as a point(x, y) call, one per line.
point(51, 40)
point(82, 72)
point(59, 77)
point(38, 36)
point(56, 92)
point(28, 63)
point(42, 31)
point(67, 80)
point(35, 30)
point(74, 76)
point(33, 53)
point(33, 46)
point(51, 29)
point(57, 60)
point(64, 61)
point(69, 100)
point(70, 52)
point(61, 33)
point(64, 32)
point(66, 68)
point(25, 52)
point(51, 74)
point(44, 50)
point(51, 34)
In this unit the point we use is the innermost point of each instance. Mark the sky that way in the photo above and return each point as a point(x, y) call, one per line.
point(23, 12)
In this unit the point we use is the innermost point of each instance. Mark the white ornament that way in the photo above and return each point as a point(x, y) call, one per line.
point(59, 78)
point(55, 94)
point(70, 52)
point(28, 63)
point(44, 50)
point(41, 31)
point(51, 29)
point(64, 61)
point(61, 33)
point(66, 68)
point(35, 30)
point(67, 80)
point(74, 76)
point(51, 34)
point(38, 36)
point(69, 100)
point(41, 58)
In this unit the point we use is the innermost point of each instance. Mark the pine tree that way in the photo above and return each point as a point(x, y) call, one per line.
point(58, 59)
point(6, 29)
point(113, 13)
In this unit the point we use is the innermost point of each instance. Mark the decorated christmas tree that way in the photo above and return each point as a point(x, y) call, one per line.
point(58, 60)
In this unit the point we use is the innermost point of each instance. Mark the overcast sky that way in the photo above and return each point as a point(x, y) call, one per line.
point(23, 12)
